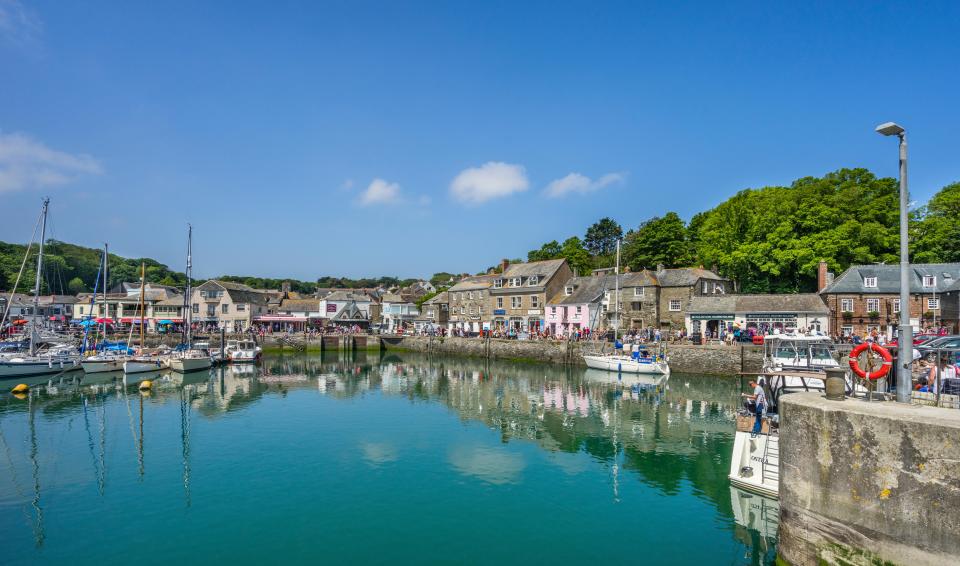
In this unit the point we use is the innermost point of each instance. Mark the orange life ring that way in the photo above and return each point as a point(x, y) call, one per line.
point(876, 348)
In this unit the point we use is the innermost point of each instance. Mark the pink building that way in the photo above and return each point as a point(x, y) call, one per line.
point(576, 307)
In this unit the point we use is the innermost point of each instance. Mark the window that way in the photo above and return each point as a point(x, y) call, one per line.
point(896, 305)
point(568, 290)
point(704, 287)
point(516, 302)
point(430, 313)
point(870, 282)
point(516, 281)
point(675, 305)
point(846, 305)
point(534, 302)
point(211, 311)
point(225, 308)
point(535, 280)
point(196, 308)
point(933, 304)
point(499, 302)
point(635, 305)
point(241, 307)
point(81, 310)
point(846, 330)
point(480, 309)
point(553, 310)
point(497, 283)
point(479, 294)
point(579, 309)
point(929, 281)
point(873, 305)
point(463, 310)
point(638, 291)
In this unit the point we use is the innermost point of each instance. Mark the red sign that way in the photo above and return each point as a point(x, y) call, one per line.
point(331, 308)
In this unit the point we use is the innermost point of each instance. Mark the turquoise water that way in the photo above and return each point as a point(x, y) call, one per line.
point(400, 460)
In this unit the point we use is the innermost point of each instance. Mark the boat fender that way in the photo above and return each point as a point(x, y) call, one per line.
point(146, 384)
point(20, 388)
point(877, 349)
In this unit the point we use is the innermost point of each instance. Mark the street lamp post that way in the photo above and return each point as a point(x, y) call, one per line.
point(905, 334)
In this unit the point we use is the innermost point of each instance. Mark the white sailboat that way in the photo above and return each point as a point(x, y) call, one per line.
point(643, 363)
point(190, 359)
point(103, 361)
point(142, 363)
point(54, 359)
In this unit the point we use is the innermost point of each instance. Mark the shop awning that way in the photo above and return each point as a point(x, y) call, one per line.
point(134, 320)
point(280, 318)
point(167, 321)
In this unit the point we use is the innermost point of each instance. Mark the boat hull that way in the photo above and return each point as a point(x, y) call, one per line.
point(143, 366)
point(243, 357)
point(14, 368)
point(755, 466)
point(625, 364)
point(184, 365)
point(101, 366)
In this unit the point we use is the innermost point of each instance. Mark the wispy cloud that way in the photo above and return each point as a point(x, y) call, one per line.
point(26, 163)
point(380, 192)
point(18, 25)
point(581, 184)
point(491, 180)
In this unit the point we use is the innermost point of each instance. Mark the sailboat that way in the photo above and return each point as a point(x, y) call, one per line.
point(103, 361)
point(54, 359)
point(189, 359)
point(141, 363)
point(619, 362)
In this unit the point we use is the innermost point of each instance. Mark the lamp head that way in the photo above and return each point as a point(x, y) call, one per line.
point(889, 129)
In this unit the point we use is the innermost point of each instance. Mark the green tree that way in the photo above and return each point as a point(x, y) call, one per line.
point(550, 250)
point(441, 279)
point(577, 256)
point(936, 231)
point(76, 286)
point(601, 238)
point(660, 240)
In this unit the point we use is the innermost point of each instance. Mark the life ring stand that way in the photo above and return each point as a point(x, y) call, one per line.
point(877, 349)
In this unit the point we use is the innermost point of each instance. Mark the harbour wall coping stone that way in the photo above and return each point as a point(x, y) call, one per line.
point(868, 482)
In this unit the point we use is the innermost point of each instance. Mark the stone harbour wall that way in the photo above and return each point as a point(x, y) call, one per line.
point(868, 482)
point(685, 358)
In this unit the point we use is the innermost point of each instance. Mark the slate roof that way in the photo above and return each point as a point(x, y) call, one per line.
point(300, 305)
point(438, 299)
point(888, 278)
point(729, 304)
point(175, 301)
point(58, 299)
point(545, 269)
point(683, 276)
point(345, 295)
point(239, 293)
point(635, 279)
point(585, 290)
point(473, 283)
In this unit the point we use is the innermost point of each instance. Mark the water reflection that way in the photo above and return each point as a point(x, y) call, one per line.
point(670, 435)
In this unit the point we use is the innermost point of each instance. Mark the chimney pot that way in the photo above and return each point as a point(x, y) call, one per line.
point(822, 276)
point(660, 268)
point(504, 264)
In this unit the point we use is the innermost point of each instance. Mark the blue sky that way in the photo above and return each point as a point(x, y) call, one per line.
point(352, 138)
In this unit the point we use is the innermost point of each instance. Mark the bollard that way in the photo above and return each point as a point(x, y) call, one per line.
point(835, 384)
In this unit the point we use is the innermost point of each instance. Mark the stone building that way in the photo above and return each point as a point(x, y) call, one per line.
point(520, 292)
point(866, 298)
point(469, 304)
point(710, 315)
point(639, 300)
point(231, 306)
point(652, 299)
point(434, 312)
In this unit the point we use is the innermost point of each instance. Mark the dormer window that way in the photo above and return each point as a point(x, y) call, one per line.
point(498, 283)
point(568, 290)
point(516, 281)
point(870, 282)
point(929, 281)
point(534, 280)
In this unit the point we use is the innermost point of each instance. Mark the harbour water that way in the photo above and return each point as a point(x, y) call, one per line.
point(394, 459)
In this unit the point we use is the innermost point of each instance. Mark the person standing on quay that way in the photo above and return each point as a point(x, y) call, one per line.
point(760, 399)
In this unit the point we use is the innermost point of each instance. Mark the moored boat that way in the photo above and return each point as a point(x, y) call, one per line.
point(627, 364)
point(188, 358)
point(243, 351)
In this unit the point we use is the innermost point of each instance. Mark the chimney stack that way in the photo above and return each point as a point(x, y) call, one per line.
point(660, 268)
point(504, 264)
point(821, 276)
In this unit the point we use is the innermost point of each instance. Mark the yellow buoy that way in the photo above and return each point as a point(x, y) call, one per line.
point(21, 388)
point(145, 384)
point(20, 395)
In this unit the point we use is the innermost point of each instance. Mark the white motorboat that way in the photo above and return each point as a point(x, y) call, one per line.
point(755, 465)
point(756, 512)
point(190, 360)
point(627, 364)
point(243, 351)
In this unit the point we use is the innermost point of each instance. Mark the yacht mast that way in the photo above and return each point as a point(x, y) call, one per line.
point(616, 298)
point(106, 313)
point(36, 284)
point(143, 310)
point(188, 311)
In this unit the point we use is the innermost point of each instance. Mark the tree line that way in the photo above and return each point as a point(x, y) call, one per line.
point(770, 240)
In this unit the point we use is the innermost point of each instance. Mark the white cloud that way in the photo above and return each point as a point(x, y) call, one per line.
point(489, 181)
point(577, 183)
point(380, 192)
point(18, 25)
point(29, 164)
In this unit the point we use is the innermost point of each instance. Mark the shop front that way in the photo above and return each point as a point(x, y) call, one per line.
point(770, 323)
point(712, 325)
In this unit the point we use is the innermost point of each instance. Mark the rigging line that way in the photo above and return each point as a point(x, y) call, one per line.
point(38, 531)
point(26, 255)
point(133, 432)
point(93, 456)
point(185, 440)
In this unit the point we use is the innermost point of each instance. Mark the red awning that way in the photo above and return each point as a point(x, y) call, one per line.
point(133, 320)
point(102, 320)
point(57, 317)
point(280, 318)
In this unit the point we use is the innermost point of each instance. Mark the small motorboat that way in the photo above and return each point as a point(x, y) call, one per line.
point(243, 351)
point(190, 360)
